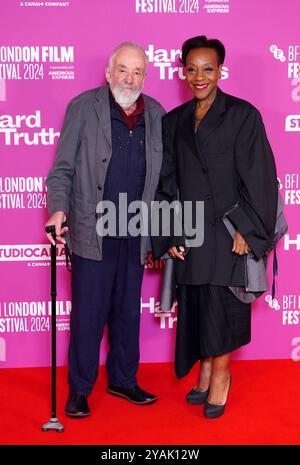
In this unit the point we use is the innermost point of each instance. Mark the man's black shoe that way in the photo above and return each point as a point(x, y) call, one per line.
point(136, 395)
point(77, 406)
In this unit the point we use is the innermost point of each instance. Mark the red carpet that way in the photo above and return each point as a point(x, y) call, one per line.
point(263, 408)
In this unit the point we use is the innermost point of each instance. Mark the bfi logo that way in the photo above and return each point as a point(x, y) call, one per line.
point(292, 189)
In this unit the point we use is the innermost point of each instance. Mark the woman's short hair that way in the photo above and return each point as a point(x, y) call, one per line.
point(202, 42)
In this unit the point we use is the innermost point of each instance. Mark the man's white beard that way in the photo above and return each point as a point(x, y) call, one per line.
point(123, 99)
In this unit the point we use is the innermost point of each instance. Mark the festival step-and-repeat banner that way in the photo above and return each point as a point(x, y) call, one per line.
point(51, 51)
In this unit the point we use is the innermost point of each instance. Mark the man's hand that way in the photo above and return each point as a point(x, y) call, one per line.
point(240, 246)
point(177, 252)
point(57, 219)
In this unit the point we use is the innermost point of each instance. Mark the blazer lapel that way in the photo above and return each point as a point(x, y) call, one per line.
point(212, 119)
point(148, 145)
point(103, 111)
point(209, 123)
point(186, 127)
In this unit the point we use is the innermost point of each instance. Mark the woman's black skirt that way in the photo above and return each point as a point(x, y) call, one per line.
point(211, 321)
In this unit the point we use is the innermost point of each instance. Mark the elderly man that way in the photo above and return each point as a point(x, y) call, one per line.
point(110, 144)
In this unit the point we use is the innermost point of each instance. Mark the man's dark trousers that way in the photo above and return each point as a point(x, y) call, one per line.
point(107, 291)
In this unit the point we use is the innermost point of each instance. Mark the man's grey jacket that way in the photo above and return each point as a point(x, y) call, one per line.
point(76, 181)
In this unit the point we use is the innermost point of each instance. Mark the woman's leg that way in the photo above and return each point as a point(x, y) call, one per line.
point(204, 375)
point(219, 381)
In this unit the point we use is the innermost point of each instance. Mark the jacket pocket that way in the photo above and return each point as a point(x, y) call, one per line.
point(82, 219)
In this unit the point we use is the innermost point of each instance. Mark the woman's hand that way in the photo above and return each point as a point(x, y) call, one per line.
point(240, 246)
point(177, 252)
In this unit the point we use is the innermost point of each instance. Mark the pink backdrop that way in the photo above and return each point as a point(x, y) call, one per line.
point(52, 51)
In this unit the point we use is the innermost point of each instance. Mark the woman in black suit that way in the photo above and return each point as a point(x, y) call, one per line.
point(216, 151)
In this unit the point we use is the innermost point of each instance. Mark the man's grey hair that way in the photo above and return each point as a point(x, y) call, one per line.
point(133, 45)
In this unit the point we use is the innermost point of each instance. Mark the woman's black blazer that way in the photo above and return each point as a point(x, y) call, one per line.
point(229, 165)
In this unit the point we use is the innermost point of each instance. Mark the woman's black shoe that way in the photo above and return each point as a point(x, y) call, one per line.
point(77, 406)
point(197, 397)
point(213, 410)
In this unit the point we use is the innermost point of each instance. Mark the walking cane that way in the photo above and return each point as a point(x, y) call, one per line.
point(53, 423)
